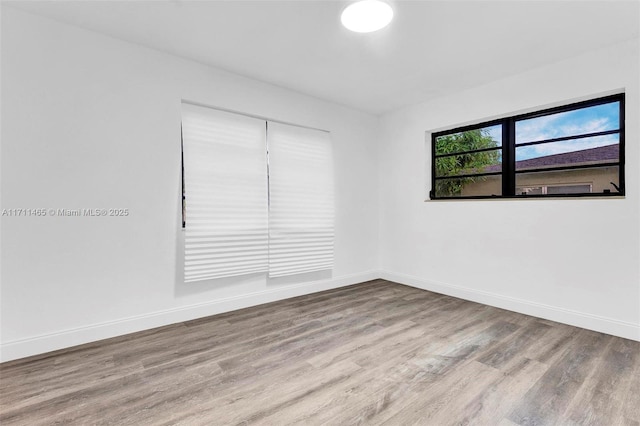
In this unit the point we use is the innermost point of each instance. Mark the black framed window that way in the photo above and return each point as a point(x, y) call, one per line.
point(568, 151)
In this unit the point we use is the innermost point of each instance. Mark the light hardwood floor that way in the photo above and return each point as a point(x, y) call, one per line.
point(373, 353)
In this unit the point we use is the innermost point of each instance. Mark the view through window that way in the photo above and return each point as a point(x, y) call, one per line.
point(573, 150)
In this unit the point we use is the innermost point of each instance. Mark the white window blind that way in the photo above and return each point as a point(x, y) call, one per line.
point(225, 178)
point(301, 200)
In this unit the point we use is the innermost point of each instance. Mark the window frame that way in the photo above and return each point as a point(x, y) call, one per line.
point(508, 173)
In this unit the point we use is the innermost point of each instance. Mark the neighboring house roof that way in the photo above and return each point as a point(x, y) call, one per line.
point(600, 154)
point(597, 155)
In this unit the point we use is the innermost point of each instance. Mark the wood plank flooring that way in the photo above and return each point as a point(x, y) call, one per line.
point(373, 353)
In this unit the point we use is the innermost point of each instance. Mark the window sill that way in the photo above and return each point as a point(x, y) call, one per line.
point(532, 197)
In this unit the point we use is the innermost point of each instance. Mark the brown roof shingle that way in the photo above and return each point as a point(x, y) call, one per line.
point(597, 155)
point(600, 154)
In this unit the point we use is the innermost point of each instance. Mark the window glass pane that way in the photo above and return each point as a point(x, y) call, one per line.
point(582, 121)
point(594, 150)
point(486, 137)
point(469, 186)
point(578, 181)
point(569, 189)
point(529, 190)
point(465, 164)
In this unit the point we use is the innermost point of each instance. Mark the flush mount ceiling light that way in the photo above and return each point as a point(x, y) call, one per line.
point(366, 16)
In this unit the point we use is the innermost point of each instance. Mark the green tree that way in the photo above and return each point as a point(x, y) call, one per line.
point(465, 162)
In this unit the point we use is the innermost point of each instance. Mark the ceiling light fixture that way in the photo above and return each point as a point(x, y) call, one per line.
point(366, 16)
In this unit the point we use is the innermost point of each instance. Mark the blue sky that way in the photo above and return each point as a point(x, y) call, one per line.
point(496, 133)
point(587, 120)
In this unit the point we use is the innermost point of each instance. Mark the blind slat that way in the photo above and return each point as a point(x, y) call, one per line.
point(226, 229)
point(301, 200)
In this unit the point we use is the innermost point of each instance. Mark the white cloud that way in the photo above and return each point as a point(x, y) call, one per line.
point(559, 125)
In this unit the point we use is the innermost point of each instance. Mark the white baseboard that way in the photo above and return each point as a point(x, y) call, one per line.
point(67, 338)
point(606, 325)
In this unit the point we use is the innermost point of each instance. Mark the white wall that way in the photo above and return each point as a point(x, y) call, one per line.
point(573, 260)
point(93, 122)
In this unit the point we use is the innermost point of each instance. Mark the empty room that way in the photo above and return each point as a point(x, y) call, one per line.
point(398, 212)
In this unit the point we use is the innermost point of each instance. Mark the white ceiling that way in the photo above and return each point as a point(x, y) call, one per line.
point(431, 48)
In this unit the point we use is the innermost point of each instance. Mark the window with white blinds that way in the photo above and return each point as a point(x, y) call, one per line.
point(258, 196)
point(225, 191)
point(301, 200)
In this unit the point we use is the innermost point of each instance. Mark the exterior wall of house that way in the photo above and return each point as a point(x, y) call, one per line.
point(600, 179)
